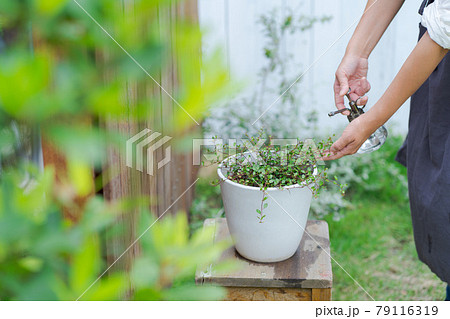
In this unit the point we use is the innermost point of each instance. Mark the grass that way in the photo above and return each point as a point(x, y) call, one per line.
point(373, 242)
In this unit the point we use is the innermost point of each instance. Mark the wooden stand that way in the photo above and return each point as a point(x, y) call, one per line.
point(305, 276)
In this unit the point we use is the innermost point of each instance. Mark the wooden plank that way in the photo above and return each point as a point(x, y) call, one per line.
point(202, 274)
point(310, 267)
point(323, 294)
point(119, 181)
point(166, 14)
point(268, 294)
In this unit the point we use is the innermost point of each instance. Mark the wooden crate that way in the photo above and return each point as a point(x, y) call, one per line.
point(305, 276)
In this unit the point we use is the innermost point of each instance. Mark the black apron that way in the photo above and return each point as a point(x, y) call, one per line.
point(426, 154)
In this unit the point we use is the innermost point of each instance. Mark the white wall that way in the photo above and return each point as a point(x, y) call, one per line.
point(232, 25)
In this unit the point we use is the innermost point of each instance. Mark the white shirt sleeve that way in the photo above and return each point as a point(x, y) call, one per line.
point(436, 18)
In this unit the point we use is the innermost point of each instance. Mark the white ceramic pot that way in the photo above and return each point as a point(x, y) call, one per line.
point(278, 236)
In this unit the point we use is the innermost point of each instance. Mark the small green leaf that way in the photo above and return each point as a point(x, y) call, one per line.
point(32, 264)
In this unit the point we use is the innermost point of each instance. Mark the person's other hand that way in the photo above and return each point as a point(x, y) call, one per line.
point(354, 135)
point(351, 73)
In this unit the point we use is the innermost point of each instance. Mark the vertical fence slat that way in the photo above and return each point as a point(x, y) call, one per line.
point(168, 183)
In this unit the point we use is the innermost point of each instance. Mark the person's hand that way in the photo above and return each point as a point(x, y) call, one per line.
point(354, 135)
point(351, 73)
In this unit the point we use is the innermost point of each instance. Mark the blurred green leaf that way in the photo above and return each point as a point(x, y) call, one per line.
point(145, 273)
point(192, 293)
point(32, 264)
point(73, 82)
point(108, 288)
point(98, 214)
point(148, 294)
point(85, 265)
point(80, 174)
point(50, 7)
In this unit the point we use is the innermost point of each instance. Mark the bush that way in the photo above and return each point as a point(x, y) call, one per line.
point(375, 175)
point(76, 77)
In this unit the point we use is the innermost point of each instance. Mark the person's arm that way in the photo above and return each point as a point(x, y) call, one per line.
point(352, 71)
point(377, 16)
point(420, 64)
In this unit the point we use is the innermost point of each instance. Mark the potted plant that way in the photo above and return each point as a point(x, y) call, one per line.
point(267, 195)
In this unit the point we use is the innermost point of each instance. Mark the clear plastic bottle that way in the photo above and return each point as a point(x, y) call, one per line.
point(375, 141)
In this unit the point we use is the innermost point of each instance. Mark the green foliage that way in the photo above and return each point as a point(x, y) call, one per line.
point(381, 176)
point(75, 74)
point(77, 71)
point(277, 166)
point(37, 244)
point(373, 175)
point(276, 28)
point(271, 165)
point(169, 260)
point(206, 204)
point(278, 73)
point(45, 257)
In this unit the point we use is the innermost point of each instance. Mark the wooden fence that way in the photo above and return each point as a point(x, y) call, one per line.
point(171, 187)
